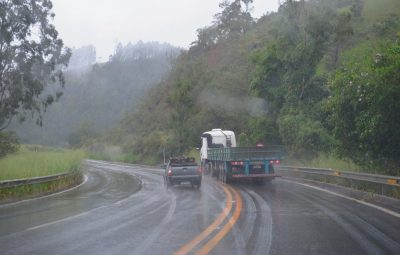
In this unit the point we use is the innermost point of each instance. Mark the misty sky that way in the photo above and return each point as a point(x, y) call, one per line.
point(103, 23)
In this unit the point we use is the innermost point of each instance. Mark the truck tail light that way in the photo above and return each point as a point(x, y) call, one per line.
point(199, 170)
point(275, 162)
point(237, 163)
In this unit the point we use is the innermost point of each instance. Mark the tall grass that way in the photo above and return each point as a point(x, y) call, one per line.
point(38, 161)
point(325, 161)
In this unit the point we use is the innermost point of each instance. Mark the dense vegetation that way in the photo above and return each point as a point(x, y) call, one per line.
point(317, 76)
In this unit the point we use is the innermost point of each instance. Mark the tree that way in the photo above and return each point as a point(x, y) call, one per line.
point(234, 20)
point(303, 136)
point(31, 58)
point(8, 143)
point(364, 106)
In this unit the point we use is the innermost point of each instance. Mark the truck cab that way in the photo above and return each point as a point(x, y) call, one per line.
point(216, 138)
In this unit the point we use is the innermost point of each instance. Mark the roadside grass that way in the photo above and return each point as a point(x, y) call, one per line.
point(325, 161)
point(34, 161)
point(332, 162)
point(123, 157)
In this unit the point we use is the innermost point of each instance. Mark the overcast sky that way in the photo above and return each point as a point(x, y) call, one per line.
point(103, 23)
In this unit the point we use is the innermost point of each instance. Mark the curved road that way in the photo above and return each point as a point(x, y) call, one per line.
point(125, 209)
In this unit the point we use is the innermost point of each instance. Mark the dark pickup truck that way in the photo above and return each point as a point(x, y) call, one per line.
point(181, 170)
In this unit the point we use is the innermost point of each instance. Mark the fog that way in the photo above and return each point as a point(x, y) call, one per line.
point(253, 106)
point(96, 97)
point(106, 23)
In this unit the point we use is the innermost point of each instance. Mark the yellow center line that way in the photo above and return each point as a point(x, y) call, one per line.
point(227, 227)
point(221, 217)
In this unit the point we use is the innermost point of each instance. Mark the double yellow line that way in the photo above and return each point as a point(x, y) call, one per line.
point(206, 248)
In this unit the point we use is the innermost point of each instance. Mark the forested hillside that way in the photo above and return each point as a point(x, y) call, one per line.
point(318, 76)
point(96, 96)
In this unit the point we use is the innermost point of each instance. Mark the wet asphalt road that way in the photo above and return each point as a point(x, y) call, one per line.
point(123, 209)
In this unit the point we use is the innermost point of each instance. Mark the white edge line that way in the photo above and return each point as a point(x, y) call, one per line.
point(84, 213)
point(57, 221)
point(395, 214)
point(85, 178)
point(141, 181)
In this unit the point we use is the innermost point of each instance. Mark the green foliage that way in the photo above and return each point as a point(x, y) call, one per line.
point(31, 57)
point(365, 107)
point(8, 143)
point(303, 136)
point(260, 129)
point(233, 20)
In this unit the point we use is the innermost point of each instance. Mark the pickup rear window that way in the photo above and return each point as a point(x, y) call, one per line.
point(183, 162)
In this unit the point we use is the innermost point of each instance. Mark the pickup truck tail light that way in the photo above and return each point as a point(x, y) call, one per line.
point(169, 172)
point(199, 170)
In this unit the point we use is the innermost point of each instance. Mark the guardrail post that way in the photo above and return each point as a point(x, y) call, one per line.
point(266, 167)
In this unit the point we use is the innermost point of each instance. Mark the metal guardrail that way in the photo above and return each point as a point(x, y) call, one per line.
point(35, 180)
point(379, 184)
point(382, 179)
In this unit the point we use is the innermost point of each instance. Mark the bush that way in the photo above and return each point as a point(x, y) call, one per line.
point(8, 143)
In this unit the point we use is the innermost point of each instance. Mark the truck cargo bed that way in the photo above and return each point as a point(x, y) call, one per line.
point(245, 153)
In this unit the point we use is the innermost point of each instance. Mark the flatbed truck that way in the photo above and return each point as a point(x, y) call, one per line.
point(222, 159)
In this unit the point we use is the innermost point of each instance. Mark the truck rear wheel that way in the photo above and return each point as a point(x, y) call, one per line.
point(228, 179)
point(214, 171)
point(220, 177)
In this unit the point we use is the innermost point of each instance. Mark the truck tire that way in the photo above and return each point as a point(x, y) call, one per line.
point(208, 169)
point(228, 179)
point(214, 171)
point(220, 178)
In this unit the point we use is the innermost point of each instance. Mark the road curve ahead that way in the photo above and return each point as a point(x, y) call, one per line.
point(125, 209)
